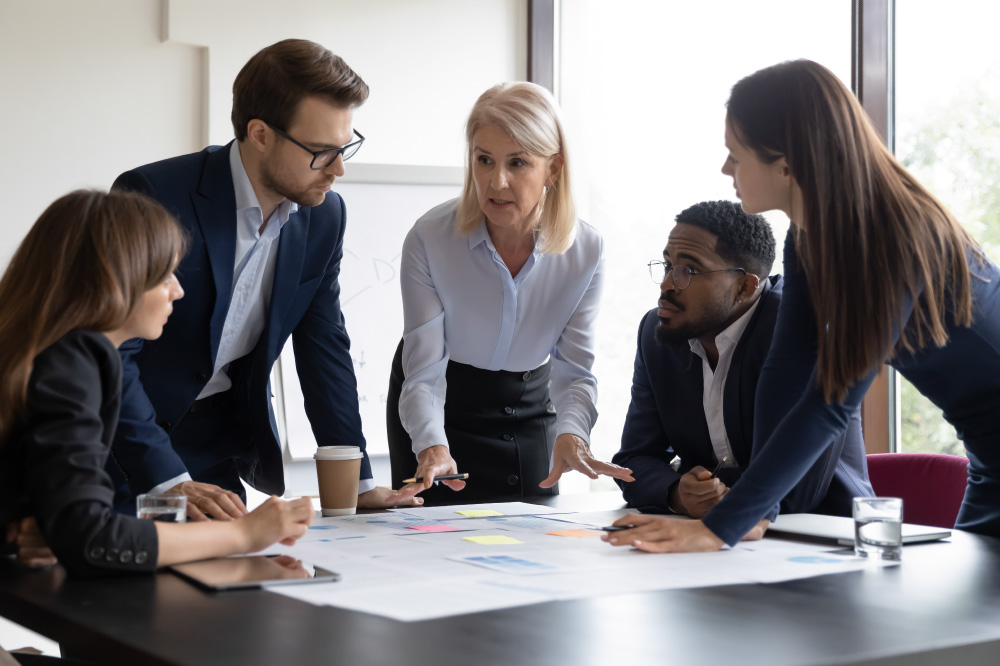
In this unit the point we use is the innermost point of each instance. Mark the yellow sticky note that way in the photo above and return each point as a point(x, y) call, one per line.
point(479, 513)
point(491, 540)
point(579, 534)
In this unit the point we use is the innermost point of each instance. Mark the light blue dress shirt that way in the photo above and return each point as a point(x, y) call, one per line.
point(460, 303)
point(253, 278)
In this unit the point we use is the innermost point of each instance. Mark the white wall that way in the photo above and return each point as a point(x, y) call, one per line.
point(91, 88)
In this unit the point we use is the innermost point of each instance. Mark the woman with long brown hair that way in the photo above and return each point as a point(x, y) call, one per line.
point(95, 270)
point(876, 271)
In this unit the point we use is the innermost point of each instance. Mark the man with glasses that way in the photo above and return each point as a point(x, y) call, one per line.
point(689, 429)
point(266, 242)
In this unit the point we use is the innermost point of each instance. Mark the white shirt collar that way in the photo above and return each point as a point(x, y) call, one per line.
point(729, 337)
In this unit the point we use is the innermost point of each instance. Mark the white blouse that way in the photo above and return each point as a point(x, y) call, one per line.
point(461, 303)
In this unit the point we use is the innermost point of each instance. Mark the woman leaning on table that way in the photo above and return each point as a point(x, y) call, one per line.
point(95, 270)
point(876, 271)
point(500, 291)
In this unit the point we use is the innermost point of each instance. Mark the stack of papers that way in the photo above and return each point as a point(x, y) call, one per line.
point(430, 562)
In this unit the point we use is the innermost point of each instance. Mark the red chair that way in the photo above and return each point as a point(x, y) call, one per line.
point(932, 485)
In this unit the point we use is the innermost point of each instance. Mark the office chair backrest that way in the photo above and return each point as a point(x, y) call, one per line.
point(932, 485)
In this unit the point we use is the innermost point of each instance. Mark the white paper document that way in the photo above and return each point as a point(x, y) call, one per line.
point(424, 563)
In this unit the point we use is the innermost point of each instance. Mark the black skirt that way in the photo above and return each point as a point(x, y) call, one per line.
point(500, 425)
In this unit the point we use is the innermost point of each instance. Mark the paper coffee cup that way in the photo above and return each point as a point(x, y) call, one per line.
point(338, 469)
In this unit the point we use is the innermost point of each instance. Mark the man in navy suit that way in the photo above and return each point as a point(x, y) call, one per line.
point(689, 429)
point(266, 242)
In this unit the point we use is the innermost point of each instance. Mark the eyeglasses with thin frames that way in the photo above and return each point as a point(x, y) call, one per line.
point(681, 275)
point(321, 159)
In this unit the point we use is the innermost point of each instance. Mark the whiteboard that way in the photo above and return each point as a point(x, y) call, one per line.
point(379, 214)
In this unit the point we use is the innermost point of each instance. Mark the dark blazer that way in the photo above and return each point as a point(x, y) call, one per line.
point(52, 466)
point(162, 378)
point(666, 418)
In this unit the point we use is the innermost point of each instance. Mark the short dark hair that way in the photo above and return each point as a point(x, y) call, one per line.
point(744, 240)
point(273, 83)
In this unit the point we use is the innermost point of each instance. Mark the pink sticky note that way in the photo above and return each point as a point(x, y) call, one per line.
point(434, 528)
point(576, 533)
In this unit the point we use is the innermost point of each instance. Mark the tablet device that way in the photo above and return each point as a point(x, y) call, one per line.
point(839, 530)
point(251, 571)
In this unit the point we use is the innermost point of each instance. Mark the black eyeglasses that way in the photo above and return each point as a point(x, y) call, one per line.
point(681, 275)
point(324, 158)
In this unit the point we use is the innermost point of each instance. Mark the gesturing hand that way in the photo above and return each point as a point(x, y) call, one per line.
point(572, 453)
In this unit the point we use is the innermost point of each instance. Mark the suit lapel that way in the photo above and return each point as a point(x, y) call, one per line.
point(215, 208)
point(287, 273)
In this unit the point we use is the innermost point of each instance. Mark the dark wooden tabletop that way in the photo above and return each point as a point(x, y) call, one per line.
point(941, 606)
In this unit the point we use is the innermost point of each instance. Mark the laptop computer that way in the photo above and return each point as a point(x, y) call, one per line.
point(839, 530)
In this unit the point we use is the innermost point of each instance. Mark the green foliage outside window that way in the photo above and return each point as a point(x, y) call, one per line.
point(955, 153)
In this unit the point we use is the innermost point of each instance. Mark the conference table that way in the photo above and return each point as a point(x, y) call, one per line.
point(940, 606)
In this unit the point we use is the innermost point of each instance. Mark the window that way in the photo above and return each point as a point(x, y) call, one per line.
point(643, 87)
point(947, 100)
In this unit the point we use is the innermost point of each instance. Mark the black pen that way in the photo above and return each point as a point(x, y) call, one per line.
point(441, 477)
point(616, 528)
point(718, 467)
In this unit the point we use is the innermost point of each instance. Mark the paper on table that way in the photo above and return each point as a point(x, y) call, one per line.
point(425, 575)
point(502, 508)
point(435, 528)
point(577, 533)
point(478, 513)
point(492, 539)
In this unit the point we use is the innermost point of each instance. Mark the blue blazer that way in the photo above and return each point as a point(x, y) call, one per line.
point(666, 418)
point(162, 378)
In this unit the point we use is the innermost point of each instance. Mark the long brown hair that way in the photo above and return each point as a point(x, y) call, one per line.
point(870, 238)
point(85, 264)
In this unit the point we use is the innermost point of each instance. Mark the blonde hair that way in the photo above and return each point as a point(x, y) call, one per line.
point(871, 238)
point(529, 115)
point(85, 264)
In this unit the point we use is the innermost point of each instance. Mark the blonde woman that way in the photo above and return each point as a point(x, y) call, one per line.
point(500, 291)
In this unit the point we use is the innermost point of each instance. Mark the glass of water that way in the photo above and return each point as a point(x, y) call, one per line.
point(164, 508)
point(878, 527)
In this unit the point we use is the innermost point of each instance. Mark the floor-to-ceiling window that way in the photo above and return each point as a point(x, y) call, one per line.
point(643, 86)
point(947, 101)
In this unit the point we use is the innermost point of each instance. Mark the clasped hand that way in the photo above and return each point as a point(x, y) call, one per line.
point(696, 492)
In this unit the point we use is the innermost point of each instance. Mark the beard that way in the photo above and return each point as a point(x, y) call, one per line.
point(713, 318)
point(270, 179)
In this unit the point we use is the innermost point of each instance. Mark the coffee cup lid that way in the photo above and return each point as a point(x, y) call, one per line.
point(338, 453)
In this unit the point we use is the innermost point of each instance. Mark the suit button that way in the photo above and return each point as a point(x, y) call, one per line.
point(526, 376)
point(125, 557)
point(166, 425)
point(141, 557)
point(512, 480)
point(508, 410)
point(96, 553)
point(507, 438)
point(200, 377)
point(112, 555)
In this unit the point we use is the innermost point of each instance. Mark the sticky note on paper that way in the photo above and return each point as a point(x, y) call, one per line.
point(579, 534)
point(491, 540)
point(478, 513)
point(433, 528)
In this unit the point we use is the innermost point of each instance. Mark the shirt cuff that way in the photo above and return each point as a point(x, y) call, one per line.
point(167, 485)
point(364, 485)
point(569, 427)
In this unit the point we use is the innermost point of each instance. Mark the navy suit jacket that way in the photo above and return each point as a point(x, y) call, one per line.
point(666, 418)
point(162, 378)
